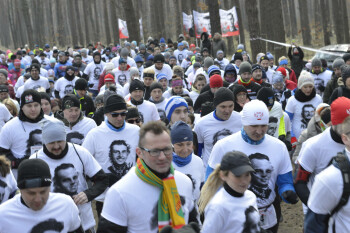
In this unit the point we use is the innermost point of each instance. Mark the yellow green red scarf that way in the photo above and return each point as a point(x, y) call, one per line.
point(169, 203)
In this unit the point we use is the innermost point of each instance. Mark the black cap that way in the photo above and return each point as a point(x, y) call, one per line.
point(236, 162)
point(158, 58)
point(114, 102)
point(132, 113)
point(256, 67)
point(4, 88)
point(70, 101)
point(81, 84)
point(346, 57)
point(267, 95)
point(30, 96)
point(45, 96)
point(33, 173)
point(221, 95)
point(136, 85)
point(155, 85)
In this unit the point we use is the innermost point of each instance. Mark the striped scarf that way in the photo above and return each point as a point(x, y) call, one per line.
point(169, 203)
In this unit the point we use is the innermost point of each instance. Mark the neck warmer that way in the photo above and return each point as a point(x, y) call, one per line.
point(301, 97)
point(23, 117)
point(55, 157)
point(232, 192)
point(256, 81)
point(247, 139)
point(179, 161)
point(335, 136)
point(240, 81)
point(169, 203)
point(97, 62)
point(216, 117)
point(194, 89)
point(71, 124)
point(69, 77)
point(156, 102)
point(136, 102)
point(112, 127)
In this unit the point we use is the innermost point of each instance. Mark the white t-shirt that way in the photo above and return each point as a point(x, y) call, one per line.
point(78, 132)
point(180, 55)
point(121, 77)
point(148, 111)
point(65, 87)
point(94, 71)
point(223, 63)
point(88, 59)
point(317, 152)
point(124, 199)
point(269, 157)
point(69, 177)
point(59, 210)
point(19, 92)
point(303, 111)
point(194, 95)
point(102, 148)
point(194, 170)
point(321, 80)
point(210, 130)
point(8, 186)
point(325, 196)
point(5, 115)
point(36, 84)
point(226, 213)
point(165, 70)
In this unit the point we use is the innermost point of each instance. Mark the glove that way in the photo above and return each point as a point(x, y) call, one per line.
point(321, 88)
point(286, 142)
point(294, 141)
point(290, 196)
point(190, 228)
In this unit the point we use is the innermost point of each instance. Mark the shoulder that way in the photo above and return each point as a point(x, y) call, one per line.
point(132, 127)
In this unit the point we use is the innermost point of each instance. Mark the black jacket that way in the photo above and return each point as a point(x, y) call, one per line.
point(206, 96)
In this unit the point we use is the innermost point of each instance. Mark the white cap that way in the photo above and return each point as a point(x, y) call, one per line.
point(255, 112)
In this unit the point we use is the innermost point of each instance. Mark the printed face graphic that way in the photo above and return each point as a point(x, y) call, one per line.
point(263, 170)
point(66, 179)
point(120, 153)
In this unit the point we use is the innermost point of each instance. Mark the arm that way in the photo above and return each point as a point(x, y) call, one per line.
point(79, 230)
point(301, 53)
point(14, 161)
point(290, 53)
point(57, 94)
point(105, 226)
point(286, 188)
point(300, 184)
point(315, 223)
point(200, 149)
point(100, 180)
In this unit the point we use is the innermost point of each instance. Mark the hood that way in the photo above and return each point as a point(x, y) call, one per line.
point(230, 67)
point(276, 110)
point(205, 34)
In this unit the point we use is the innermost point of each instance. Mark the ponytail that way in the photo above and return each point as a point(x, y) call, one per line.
point(4, 166)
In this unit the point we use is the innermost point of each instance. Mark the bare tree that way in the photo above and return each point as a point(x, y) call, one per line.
point(131, 20)
point(325, 22)
point(337, 21)
point(237, 4)
point(346, 21)
point(278, 30)
point(214, 16)
point(253, 26)
point(114, 21)
point(305, 24)
point(293, 18)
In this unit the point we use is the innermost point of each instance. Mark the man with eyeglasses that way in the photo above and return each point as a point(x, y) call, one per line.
point(99, 141)
point(317, 152)
point(164, 194)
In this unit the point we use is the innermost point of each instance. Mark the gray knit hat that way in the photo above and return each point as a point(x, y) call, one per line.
point(134, 71)
point(338, 63)
point(53, 130)
point(245, 67)
point(4, 72)
point(208, 61)
point(316, 62)
point(345, 72)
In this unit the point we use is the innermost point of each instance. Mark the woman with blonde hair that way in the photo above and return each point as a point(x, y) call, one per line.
point(226, 203)
point(10, 105)
point(8, 184)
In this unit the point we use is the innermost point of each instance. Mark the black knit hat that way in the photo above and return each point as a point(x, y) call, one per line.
point(81, 84)
point(114, 103)
point(45, 96)
point(34, 65)
point(70, 101)
point(30, 96)
point(4, 88)
point(158, 58)
point(256, 67)
point(155, 86)
point(238, 56)
point(237, 89)
point(221, 95)
point(132, 113)
point(136, 85)
point(267, 95)
point(33, 173)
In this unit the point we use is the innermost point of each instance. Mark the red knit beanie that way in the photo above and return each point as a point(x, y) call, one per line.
point(340, 109)
point(109, 78)
point(215, 81)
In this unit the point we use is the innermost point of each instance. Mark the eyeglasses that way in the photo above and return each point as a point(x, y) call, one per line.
point(116, 114)
point(133, 121)
point(156, 152)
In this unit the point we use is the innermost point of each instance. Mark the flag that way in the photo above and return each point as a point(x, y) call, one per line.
point(201, 23)
point(123, 29)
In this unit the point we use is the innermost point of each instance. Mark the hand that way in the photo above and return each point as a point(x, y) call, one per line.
point(80, 198)
point(290, 196)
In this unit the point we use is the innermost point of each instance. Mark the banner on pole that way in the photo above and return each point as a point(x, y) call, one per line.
point(201, 23)
point(123, 29)
point(229, 22)
point(141, 28)
point(187, 23)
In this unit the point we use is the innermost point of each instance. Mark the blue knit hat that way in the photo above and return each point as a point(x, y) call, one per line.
point(160, 76)
point(138, 58)
point(212, 69)
point(173, 103)
point(162, 40)
point(181, 132)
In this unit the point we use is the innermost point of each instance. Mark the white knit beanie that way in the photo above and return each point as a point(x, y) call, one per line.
point(255, 112)
point(304, 79)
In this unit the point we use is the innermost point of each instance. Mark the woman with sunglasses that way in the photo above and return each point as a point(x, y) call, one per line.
point(133, 117)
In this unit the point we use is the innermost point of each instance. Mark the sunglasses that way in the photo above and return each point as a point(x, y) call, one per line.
point(133, 121)
point(116, 114)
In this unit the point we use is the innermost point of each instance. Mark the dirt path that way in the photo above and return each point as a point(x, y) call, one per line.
point(293, 218)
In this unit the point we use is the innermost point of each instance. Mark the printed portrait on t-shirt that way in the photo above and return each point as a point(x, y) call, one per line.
point(260, 178)
point(141, 117)
point(75, 137)
point(180, 57)
point(252, 219)
point(319, 85)
point(307, 113)
point(49, 226)
point(272, 126)
point(68, 89)
point(97, 72)
point(220, 135)
point(3, 186)
point(36, 87)
point(162, 115)
point(122, 79)
point(34, 142)
point(65, 179)
point(119, 152)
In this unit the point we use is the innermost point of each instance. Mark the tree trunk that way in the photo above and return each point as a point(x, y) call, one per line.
point(346, 21)
point(73, 22)
point(237, 4)
point(293, 18)
point(318, 20)
point(114, 22)
point(230, 43)
point(278, 30)
point(25, 14)
point(325, 22)
point(253, 27)
point(286, 18)
point(131, 20)
point(214, 16)
point(305, 24)
point(265, 28)
point(178, 12)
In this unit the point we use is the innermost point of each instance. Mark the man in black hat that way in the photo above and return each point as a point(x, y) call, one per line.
point(257, 73)
point(147, 110)
point(86, 103)
point(36, 81)
point(36, 209)
point(16, 137)
point(61, 65)
point(98, 143)
point(160, 67)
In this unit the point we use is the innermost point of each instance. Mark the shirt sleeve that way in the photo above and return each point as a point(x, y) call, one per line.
point(114, 209)
point(75, 221)
point(307, 158)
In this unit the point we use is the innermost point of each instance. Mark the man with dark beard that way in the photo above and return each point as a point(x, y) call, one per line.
point(64, 85)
